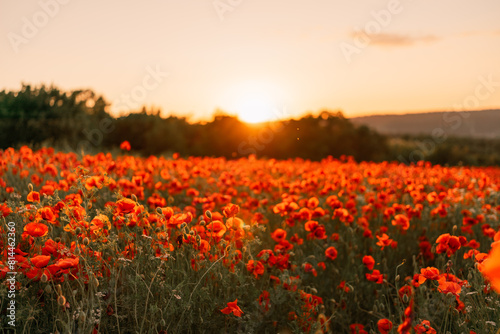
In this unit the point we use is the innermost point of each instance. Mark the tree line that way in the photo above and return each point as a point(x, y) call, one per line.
point(78, 120)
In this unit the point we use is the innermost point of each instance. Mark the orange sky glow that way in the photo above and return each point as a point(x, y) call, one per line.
point(258, 59)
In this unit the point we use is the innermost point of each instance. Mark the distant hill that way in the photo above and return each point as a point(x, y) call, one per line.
point(477, 124)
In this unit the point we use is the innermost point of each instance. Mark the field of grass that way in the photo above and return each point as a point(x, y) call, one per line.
point(124, 244)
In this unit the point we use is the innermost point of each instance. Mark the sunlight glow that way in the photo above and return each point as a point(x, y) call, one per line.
point(255, 110)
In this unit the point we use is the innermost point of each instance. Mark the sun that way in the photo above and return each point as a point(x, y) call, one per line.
point(255, 109)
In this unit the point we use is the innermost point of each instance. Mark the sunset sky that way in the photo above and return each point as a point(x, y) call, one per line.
point(260, 59)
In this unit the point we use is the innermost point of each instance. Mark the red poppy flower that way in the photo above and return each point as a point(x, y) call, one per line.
point(384, 241)
point(490, 268)
point(36, 229)
point(68, 263)
point(428, 273)
point(375, 276)
point(424, 327)
point(125, 146)
point(402, 221)
point(5, 210)
point(369, 262)
point(384, 326)
point(255, 267)
point(331, 253)
point(34, 196)
point(278, 235)
point(233, 308)
point(126, 205)
point(216, 229)
point(40, 261)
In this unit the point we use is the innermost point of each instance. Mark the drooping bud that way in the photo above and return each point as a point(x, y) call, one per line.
point(61, 300)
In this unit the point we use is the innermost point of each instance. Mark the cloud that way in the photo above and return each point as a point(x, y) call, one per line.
point(387, 39)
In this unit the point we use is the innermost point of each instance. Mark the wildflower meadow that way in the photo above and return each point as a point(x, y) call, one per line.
point(117, 243)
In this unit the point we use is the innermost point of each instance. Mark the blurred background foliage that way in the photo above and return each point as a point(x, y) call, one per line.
point(78, 120)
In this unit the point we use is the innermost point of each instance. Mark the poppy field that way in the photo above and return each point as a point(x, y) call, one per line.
point(125, 244)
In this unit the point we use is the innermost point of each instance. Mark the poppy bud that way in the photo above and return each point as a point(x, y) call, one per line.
point(455, 228)
point(171, 200)
point(30, 187)
point(58, 239)
point(183, 225)
point(375, 309)
point(202, 223)
point(48, 289)
point(86, 241)
point(78, 230)
point(397, 278)
point(158, 211)
point(134, 198)
point(405, 298)
point(58, 289)
point(89, 205)
point(44, 278)
point(82, 317)
point(208, 214)
point(61, 300)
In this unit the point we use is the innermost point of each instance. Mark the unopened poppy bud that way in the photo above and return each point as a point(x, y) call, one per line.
point(405, 298)
point(44, 278)
point(191, 232)
point(61, 300)
point(78, 230)
point(58, 289)
point(82, 317)
point(58, 239)
point(375, 309)
point(134, 198)
point(202, 223)
point(48, 289)
point(158, 211)
point(208, 214)
point(397, 278)
point(86, 241)
point(469, 277)
point(183, 225)
point(455, 228)
point(30, 187)
point(89, 205)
